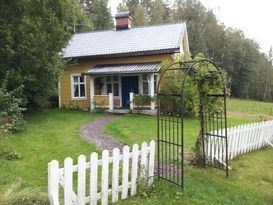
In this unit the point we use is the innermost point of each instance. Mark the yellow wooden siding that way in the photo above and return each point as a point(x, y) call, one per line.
point(85, 64)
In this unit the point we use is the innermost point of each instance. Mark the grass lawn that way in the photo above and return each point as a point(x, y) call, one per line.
point(250, 106)
point(124, 129)
point(49, 134)
point(251, 181)
point(54, 134)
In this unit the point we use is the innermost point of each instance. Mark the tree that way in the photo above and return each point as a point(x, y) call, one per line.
point(33, 35)
point(140, 16)
point(158, 13)
point(100, 15)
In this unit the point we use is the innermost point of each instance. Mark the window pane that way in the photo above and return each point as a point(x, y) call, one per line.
point(108, 79)
point(116, 89)
point(75, 79)
point(76, 90)
point(145, 88)
point(82, 90)
point(115, 78)
point(109, 88)
point(99, 85)
point(81, 79)
point(144, 77)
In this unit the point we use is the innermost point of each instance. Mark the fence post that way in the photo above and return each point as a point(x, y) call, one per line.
point(115, 175)
point(111, 101)
point(93, 178)
point(131, 100)
point(151, 162)
point(81, 179)
point(53, 181)
point(143, 162)
point(104, 177)
point(134, 170)
point(125, 172)
point(68, 181)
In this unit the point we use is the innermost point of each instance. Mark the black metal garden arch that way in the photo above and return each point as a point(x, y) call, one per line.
point(170, 126)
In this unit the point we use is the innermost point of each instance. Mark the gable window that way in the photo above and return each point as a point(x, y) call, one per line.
point(78, 88)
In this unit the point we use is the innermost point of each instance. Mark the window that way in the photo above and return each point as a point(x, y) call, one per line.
point(99, 84)
point(78, 86)
point(112, 85)
point(146, 84)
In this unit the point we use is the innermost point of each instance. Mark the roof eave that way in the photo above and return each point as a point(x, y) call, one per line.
point(129, 54)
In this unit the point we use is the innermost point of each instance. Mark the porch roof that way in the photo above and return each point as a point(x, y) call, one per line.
point(124, 69)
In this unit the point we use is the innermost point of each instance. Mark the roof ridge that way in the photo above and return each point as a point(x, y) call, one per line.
point(137, 27)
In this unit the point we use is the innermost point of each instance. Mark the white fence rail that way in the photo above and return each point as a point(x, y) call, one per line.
point(241, 139)
point(104, 175)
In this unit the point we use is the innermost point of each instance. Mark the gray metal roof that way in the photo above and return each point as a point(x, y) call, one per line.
point(124, 68)
point(150, 39)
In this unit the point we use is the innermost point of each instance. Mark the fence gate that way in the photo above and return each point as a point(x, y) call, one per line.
point(170, 138)
point(170, 123)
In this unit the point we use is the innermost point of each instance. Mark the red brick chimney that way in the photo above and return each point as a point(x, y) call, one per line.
point(123, 20)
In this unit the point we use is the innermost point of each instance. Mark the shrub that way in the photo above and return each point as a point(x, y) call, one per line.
point(11, 117)
point(141, 100)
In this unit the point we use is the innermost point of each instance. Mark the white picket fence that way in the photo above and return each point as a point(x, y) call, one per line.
point(132, 165)
point(241, 139)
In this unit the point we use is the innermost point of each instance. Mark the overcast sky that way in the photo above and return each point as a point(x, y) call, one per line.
point(254, 17)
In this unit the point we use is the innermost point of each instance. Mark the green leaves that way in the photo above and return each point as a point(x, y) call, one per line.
point(32, 36)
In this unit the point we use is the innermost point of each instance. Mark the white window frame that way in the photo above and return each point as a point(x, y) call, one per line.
point(112, 85)
point(72, 86)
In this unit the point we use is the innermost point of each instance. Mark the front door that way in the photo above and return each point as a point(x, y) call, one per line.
point(129, 84)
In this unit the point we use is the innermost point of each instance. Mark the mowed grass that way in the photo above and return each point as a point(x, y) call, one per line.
point(49, 134)
point(54, 134)
point(250, 181)
point(131, 129)
point(250, 106)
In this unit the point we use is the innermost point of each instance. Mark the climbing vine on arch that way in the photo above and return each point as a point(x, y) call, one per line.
point(195, 84)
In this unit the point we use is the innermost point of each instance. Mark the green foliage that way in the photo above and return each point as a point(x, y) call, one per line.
point(144, 189)
point(204, 79)
point(141, 100)
point(12, 195)
point(250, 71)
point(146, 11)
point(100, 15)
point(32, 36)
point(7, 153)
point(11, 118)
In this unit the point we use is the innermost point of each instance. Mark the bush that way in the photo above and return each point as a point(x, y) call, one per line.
point(141, 100)
point(11, 117)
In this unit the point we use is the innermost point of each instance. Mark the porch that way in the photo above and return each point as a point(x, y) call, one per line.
point(116, 88)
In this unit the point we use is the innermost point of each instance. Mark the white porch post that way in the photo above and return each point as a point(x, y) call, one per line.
point(111, 101)
point(131, 100)
point(152, 86)
point(92, 92)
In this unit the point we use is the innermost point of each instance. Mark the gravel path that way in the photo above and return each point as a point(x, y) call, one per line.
point(94, 133)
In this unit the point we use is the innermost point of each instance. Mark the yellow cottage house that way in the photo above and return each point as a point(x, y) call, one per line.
point(107, 68)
